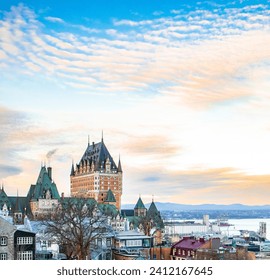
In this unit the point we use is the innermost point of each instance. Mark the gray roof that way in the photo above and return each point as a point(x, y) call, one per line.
point(98, 153)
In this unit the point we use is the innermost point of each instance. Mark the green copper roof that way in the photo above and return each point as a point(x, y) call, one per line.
point(44, 187)
point(110, 196)
point(108, 209)
point(19, 204)
point(155, 216)
point(139, 204)
point(153, 208)
point(4, 199)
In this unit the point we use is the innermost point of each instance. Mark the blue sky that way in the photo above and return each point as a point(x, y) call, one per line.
point(180, 89)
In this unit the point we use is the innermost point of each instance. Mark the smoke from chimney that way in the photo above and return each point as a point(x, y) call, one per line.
point(50, 154)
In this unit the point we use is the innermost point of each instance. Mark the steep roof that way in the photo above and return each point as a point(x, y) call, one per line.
point(154, 214)
point(108, 209)
point(4, 199)
point(97, 153)
point(19, 204)
point(119, 168)
point(43, 186)
point(72, 172)
point(110, 197)
point(153, 209)
point(139, 204)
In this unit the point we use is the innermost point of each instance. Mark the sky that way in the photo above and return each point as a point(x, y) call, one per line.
point(180, 89)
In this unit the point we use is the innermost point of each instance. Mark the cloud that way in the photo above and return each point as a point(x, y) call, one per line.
point(7, 170)
point(158, 13)
point(196, 186)
point(55, 19)
point(156, 146)
point(162, 75)
point(200, 58)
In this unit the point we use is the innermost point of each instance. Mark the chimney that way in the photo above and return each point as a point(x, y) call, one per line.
point(62, 195)
point(49, 169)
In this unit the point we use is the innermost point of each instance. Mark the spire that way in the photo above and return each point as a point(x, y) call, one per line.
point(119, 168)
point(102, 136)
point(17, 208)
point(72, 172)
point(88, 140)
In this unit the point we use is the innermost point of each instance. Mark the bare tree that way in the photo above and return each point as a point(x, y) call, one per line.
point(76, 223)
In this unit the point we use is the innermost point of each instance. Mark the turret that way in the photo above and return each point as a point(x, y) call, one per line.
point(72, 172)
point(119, 168)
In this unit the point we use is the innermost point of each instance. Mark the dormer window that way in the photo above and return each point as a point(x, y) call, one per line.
point(108, 165)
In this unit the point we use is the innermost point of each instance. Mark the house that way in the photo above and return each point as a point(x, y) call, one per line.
point(101, 247)
point(187, 247)
point(131, 245)
point(15, 244)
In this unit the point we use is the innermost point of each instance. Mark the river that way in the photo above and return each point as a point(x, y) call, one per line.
point(247, 224)
point(237, 225)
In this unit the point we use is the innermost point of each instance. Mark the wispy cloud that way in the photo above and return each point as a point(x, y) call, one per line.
point(162, 55)
point(194, 186)
point(54, 19)
point(168, 76)
point(155, 146)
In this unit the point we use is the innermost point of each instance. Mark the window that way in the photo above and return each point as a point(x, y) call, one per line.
point(25, 255)
point(3, 241)
point(99, 242)
point(24, 240)
point(135, 243)
point(3, 256)
point(108, 242)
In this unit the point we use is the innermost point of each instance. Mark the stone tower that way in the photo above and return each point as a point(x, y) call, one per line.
point(97, 176)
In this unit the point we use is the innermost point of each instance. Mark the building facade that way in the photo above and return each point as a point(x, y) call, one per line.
point(15, 244)
point(131, 245)
point(186, 248)
point(97, 176)
point(41, 200)
point(43, 197)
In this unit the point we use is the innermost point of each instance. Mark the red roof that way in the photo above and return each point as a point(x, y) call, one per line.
point(189, 243)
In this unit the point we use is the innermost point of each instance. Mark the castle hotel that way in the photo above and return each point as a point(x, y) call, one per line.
point(97, 176)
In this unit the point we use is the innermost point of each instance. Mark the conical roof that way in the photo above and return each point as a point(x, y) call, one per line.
point(139, 204)
point(154, 214)
point(153, 208)
point(72, 172)
point(4, 198)
point(119, 168)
